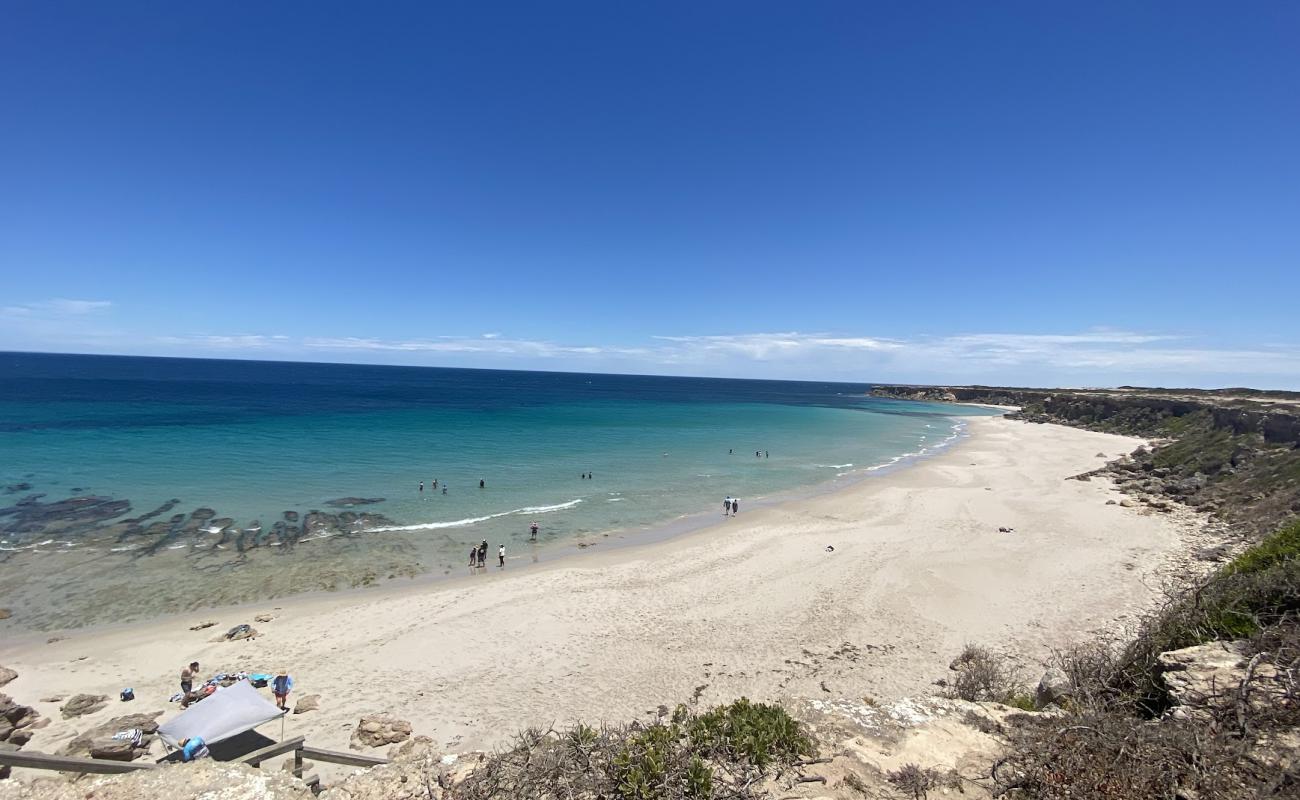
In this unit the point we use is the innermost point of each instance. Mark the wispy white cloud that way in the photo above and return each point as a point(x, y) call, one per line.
point(56, 307)
point(1092, 357)
point(493, 344)
point(763, 346)
point(238, 341)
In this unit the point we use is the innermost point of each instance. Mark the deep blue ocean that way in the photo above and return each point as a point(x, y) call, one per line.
point(252, 440)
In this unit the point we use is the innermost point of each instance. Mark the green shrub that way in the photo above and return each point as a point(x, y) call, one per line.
point(675, 757)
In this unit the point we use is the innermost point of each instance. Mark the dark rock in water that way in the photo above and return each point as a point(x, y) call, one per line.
point(81, 704)
point(29, 515)
point(203, 513)
point(291, 516)
point(345, 502)
point(15, 488)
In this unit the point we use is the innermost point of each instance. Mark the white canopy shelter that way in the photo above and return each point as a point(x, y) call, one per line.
point(224, 713)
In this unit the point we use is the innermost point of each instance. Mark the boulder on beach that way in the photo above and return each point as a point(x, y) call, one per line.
point(377, 730)
point(98, 742)
point(240, 632)
point(6, 675)
point(307, 703)
point(81, 704)
point(14, 717)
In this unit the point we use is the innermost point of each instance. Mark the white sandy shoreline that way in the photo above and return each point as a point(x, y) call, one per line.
point(753, 606)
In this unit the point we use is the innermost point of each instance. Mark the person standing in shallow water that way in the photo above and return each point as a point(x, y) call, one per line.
point(735, 506)
point(726, 507)
point(482, 553)
point(501, 556)
point(533, 531)
point(473, 556)
point(421, 487)
point(480, 483)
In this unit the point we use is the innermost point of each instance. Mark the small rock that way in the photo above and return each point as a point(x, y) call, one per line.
point(414, 747)
point(20, 737)
point(82, 704)
point(1110, 502)
point(1053, 687)
point(307, 703)
point(202, 625)
point(377, 730)
point(263, 618)
point(6, 675)
point(54, 698)
point(5, 613)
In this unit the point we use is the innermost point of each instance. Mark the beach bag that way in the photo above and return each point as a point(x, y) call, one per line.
point(128, 694)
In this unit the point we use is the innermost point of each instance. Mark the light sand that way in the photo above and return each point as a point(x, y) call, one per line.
point(753, 606)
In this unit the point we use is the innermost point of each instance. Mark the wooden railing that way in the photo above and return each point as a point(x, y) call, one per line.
point(296, 745)
point(99, 766)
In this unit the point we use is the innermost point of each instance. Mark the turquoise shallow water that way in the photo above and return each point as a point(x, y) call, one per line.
point(252, 440)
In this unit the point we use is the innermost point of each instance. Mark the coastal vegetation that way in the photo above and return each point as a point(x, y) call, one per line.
point(1128, 730)
point(723, 752)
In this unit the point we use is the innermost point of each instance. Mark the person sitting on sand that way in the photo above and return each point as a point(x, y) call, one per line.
point(280, 687)
point(192, 748)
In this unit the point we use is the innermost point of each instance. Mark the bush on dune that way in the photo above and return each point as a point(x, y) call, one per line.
point(686, 755)
point(1118, 740)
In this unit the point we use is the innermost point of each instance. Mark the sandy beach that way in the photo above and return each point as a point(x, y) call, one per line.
point(757, 605)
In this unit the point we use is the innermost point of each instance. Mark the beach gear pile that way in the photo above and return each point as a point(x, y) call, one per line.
point(222, 680)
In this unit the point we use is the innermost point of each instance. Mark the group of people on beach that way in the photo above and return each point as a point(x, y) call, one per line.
point(434, 486)
point(478, 555)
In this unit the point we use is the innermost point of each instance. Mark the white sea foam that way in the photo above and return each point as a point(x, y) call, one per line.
point(122, 549)
point(463, 523)
point(834, 466)
point(545, 509)
point(614, 500)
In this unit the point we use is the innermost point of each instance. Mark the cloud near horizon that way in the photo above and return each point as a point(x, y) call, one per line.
point(1094, 357)
point(1098, 357)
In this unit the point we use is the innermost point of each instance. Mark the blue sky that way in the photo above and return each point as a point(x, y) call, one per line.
point(1036, 193)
